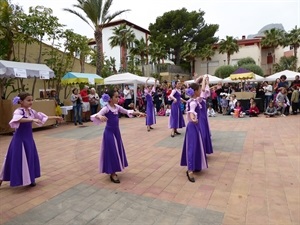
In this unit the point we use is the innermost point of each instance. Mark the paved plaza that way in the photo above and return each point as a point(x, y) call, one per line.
point(253, 177)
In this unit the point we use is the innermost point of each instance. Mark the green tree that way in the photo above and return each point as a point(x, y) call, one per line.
point(157, 52)
point(224, 71)
point(206, 53)
point(176, 27)
point(96, 16)
point(253, 68)
point(286, 63)
point(228, 46)
point(122, 36)
point(140, 48)
point(293, 40)
point(190, 53)
point(247, 60)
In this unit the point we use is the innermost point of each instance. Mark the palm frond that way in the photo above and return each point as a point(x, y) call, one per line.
point(79, 15)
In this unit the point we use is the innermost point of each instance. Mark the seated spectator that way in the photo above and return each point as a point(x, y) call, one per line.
point(162, 111)
point(210, 111)
point(238, 110)
point(231, 104)
point(282, 101)
point(271, 110)
point(253, 111)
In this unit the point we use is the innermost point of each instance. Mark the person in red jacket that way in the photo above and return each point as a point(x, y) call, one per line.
point(253, 111)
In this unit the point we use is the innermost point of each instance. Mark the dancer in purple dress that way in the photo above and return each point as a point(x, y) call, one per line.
point(193, 153)
point(112, 152)
point(150, 113)
point(203, 122)
point(176, 118)
point(21, 165)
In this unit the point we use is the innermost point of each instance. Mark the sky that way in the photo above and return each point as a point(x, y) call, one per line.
point(235, 17)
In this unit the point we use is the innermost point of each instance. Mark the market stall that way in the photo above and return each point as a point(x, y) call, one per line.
point(212, 79)
point(18, 70)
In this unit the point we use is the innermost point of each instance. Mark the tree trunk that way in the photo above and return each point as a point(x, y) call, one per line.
point(25, 51)
point(228, 59)
point(99, 44)
point(295, 54)
point(207, 69)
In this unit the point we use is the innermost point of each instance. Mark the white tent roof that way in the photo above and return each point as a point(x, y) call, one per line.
point(212, 79)
point(127, 78)
point(24, 70)
point(257, 79)
point(288, 73)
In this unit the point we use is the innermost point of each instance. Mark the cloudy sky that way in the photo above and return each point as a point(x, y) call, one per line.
point(235, 17)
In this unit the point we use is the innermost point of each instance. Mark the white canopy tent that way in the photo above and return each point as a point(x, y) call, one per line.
point(212, 79)
point(24, 70)
point(290, 75)
point(128, 78)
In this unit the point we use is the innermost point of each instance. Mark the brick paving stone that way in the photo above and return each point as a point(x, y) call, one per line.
point(253, 176)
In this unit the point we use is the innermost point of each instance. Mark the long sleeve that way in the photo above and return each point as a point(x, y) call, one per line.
point(15, 121)
point(125, 111)
point(41, 116)
point(206, 93)
point(102, 112)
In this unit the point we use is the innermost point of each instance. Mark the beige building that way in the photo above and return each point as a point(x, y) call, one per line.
point(264, 57)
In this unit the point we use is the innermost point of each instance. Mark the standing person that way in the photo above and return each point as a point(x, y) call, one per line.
point(21, 165)
point(176, 118)
point(58, 112)
point(77, 106)
point(150, 113)
point(268, 93)
point(94, 101)
point(127, 96)
point(203, 122)
point(85, 104)
point(112, 152)
point(193, 152)
point(295, 99)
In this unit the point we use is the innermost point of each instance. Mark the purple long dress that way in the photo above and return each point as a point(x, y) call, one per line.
point(203, 123)
point(21, 165)
point(193, 153)
point(150, 113)
point(112, 153)
point(176, 117)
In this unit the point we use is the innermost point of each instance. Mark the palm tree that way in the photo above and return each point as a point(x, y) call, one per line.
point(96, 16)
point(157, 52)
point(140, 48)
point(286, 63)
point(206, 53)
point(272, 39)
point(228, 46)
point(190, 53)
point(293, 40)
point(122, 36)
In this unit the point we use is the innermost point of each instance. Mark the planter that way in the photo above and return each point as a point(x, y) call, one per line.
point(7, 109)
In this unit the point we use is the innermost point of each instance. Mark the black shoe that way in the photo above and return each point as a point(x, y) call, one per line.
point(80, 123)
point(192, 179)
point(172, 134)
point(32, 184)
point(75, 124)
point(151, 128)
point(116, 181)
point(148, 129)
point(176, 132)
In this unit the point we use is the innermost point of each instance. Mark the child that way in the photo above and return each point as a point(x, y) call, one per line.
point(162, 111)
point(112, 152)
point(224, 104)
point(238, 110)
point(295, 99)
point(211, 112)
point(271, 110)
point(21, 165)
point(193, 153)
point(168, 110)
point(150, 112)
point(253, 111)
point(282, 101)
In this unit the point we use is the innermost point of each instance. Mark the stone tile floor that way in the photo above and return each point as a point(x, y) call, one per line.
point(253, 176)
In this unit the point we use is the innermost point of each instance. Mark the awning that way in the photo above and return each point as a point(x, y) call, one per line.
point(242, 76)
point(24, 70)
point(76, 78)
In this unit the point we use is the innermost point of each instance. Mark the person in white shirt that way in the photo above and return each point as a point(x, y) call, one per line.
point(127, 96)
point(268, 89)
point(210, 112)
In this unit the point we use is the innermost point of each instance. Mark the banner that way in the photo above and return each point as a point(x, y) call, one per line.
point(44, 75)
point(20, 73)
